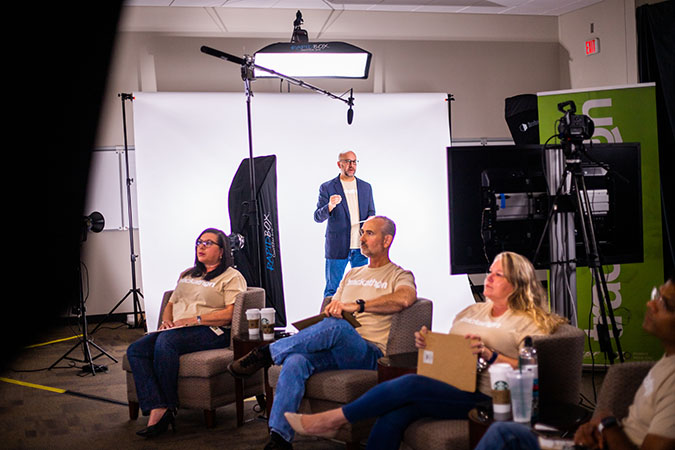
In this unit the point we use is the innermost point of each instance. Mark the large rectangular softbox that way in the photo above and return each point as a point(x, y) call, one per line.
point(260, 259)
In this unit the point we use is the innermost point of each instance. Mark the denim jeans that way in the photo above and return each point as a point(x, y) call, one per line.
point(154, 361)
point(508, 436)
point(328, 345)
point(335, 270)
point(399, 402)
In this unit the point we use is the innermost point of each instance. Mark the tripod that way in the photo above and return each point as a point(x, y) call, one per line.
point(85, 341)
point(573, 173)
point(134, 291)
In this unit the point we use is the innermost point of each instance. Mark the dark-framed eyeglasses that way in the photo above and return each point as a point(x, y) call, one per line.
point(207, 243)
point(349, 161)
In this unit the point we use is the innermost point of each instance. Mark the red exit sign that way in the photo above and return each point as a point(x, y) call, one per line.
point(593, 46)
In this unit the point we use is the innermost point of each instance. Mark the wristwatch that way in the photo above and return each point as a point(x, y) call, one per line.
point(362, 305)
point(607, 422)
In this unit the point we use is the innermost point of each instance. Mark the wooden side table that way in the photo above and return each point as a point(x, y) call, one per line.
point(241, 345)
point(393, 366)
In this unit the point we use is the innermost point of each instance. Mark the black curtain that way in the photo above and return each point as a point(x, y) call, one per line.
point(53, 98)
point(260, 259)
point(656, 63)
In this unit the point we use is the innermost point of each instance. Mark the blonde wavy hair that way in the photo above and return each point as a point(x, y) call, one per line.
point(528, 296)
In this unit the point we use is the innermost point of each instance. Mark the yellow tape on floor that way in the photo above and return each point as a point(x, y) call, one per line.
point(62, 391)
point(54, 342)
point(32, 385)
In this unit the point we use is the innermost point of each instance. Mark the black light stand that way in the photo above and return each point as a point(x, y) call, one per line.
point(134, 291)
point(247, 75)
point(97, 219)
point(252, 206)
point(573, 149)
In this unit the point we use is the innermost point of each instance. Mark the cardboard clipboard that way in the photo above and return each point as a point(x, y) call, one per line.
point(448, 358)
point(304, 323)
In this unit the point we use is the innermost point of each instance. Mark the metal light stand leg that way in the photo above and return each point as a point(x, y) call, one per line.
point(84, 340)
point(135, 291)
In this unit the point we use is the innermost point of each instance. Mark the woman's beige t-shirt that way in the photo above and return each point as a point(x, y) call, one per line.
point(504, 334)
point(195, 296)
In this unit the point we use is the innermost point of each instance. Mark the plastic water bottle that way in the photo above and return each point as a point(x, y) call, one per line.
point(527, 360)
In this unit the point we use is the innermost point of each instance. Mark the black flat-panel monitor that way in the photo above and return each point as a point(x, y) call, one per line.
point(498, 198)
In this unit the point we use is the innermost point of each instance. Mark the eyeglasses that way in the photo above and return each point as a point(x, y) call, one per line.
point(206, 244)
point(350, 161)
point(657, 297)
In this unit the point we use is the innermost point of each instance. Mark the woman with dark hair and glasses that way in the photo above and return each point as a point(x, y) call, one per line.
point(197, 317)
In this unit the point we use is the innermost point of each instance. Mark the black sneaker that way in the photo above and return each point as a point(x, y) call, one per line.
point(278, 443)
point(256, 359)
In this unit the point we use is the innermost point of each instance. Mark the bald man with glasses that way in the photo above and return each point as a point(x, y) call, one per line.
point(345, 202)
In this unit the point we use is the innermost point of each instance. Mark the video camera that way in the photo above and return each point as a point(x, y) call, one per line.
point(574, 127)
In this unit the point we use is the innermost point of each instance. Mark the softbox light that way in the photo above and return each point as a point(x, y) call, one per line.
point(259, 260)
point(314, 60)
point(522, 117)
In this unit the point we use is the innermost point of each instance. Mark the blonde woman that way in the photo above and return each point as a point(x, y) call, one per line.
point(515, 308)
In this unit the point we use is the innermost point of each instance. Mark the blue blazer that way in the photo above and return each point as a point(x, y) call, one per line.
point(339, 220)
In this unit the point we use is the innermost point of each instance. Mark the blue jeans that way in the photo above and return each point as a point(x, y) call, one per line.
point(154, 362)
point(335, 270)
point(331, 344)
point(508, 436)
point(399, 402)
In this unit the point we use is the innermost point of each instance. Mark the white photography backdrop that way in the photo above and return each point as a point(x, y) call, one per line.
point(189, 146)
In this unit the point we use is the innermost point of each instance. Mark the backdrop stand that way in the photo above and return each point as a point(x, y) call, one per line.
point(139, 316)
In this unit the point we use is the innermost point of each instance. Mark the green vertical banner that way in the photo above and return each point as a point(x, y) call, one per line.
point(620, 114)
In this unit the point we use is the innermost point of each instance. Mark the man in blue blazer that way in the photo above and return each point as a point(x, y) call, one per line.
point(344, 219)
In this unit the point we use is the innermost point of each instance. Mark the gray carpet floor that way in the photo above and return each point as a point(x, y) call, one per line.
point(35, 417)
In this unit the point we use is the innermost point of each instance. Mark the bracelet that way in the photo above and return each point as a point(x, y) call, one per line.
point(493, 358)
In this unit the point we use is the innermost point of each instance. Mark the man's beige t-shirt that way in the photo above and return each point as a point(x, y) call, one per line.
point(505, 333)
point(653, 408)
point(366, 283)
point(195, 296)
point(352, 198)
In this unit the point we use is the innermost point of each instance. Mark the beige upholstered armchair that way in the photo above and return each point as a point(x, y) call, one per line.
point(619, 387)
point(334, 388)
point(560, 358)
point(203, 380)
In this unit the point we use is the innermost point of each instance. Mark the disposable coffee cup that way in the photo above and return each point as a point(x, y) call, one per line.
point(267, 323)
point(501, 395)
point(253, 318)
point(520, 385)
